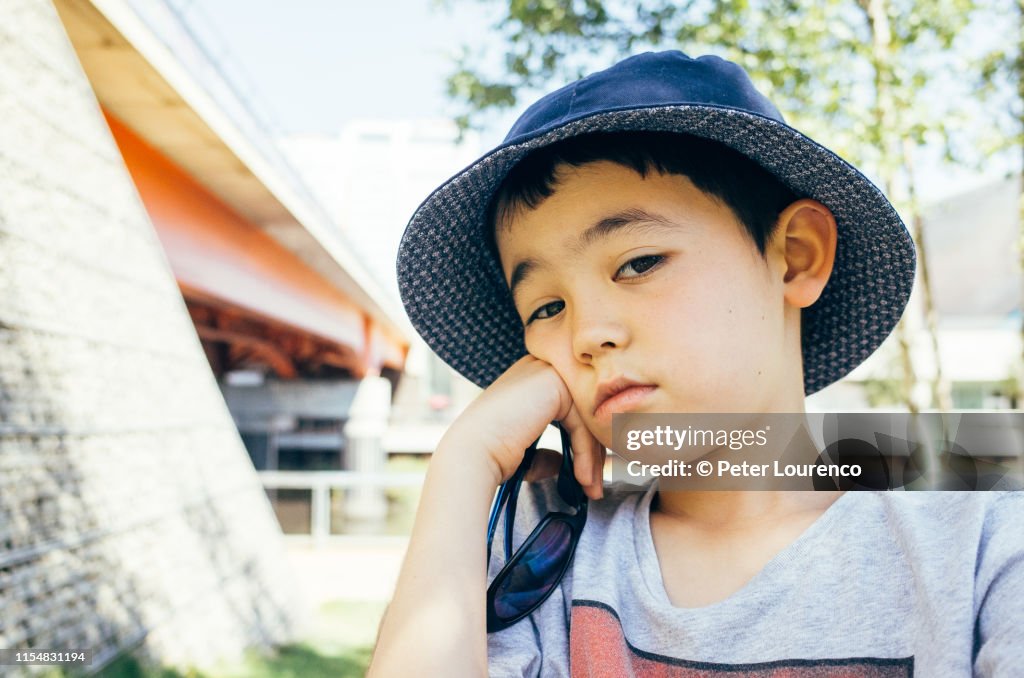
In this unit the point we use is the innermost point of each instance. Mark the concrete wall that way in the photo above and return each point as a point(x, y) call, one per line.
point(130, 515)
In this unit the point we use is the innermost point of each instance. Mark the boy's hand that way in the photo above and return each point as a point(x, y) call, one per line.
point(512, 412)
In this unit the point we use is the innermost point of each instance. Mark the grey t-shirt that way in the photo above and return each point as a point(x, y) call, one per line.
point(882, 584)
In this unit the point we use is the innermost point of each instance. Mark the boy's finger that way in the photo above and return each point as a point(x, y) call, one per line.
point(546, 464)
point(582, 463)
point(597, 483)
point(586, 450)
point(599, 468)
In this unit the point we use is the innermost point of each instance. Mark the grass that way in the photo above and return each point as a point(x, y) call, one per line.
point(338, 644)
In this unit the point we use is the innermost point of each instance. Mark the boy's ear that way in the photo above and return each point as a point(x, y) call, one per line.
point(806, 239)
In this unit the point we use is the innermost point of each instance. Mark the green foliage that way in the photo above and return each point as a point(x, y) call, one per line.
point(1010, 387)
point(883, 392)
point(998, 76)
point(815, 59)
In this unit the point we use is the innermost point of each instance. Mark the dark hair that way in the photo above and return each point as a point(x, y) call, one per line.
point(754, 195)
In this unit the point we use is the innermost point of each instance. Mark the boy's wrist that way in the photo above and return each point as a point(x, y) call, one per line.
point(466, 457)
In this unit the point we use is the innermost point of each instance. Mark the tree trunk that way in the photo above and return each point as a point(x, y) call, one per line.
point(940, 387)
point(887, 121)
point(1018, 372)
point(881, 60)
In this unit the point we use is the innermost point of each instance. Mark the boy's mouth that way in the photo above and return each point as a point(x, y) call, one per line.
point(619, 395)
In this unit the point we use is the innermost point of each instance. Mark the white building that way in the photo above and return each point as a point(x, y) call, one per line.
point(371, 177)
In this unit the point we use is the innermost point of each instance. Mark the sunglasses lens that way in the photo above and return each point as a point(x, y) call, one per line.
point(536, 572)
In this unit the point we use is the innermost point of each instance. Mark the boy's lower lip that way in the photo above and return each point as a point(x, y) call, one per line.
point(623, 401)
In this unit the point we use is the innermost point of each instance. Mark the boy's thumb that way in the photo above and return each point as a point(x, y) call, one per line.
point(546, 464)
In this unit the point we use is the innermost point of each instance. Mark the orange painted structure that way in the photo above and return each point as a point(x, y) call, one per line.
point(254, 303)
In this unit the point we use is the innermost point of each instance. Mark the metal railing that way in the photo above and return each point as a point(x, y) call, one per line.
point(321, 483)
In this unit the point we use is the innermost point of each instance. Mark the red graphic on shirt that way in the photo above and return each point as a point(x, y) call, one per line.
point(598, 649)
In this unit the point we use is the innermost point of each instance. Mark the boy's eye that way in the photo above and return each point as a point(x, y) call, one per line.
point(634, 268)
point(546, 311)
point(640, 265)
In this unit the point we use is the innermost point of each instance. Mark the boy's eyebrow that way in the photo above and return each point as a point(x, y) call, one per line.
point(632, 219)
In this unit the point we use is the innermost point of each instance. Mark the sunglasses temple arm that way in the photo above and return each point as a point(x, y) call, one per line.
point(492, 522)
point(513, 500)
point(568, 487)
point(509, 488)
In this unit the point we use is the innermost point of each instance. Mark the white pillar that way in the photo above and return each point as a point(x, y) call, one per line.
point(364, 452)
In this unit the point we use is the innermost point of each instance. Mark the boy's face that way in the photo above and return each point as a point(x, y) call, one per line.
point(651, 280)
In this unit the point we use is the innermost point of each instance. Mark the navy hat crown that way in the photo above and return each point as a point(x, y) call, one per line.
point(649, 80)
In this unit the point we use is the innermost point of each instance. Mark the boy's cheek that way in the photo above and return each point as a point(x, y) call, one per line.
point(538, 346)
point(559, 360)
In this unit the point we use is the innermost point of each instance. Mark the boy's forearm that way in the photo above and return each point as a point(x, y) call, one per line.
point(436, 622)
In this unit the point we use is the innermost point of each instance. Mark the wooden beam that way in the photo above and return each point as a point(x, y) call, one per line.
point(277, 359)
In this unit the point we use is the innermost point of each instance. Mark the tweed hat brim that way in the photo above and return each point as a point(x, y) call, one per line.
point(457, 299)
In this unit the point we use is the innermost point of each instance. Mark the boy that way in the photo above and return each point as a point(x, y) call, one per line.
point(654, 238)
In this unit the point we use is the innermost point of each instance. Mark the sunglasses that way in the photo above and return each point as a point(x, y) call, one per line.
point(535, 568)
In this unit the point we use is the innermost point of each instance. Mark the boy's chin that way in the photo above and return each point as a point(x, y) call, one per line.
point(603, 436)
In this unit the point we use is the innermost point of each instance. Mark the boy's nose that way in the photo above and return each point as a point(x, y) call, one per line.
point(593, 336)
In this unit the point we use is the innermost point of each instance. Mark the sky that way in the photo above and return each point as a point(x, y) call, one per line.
point(313, 65)
point(317, 64)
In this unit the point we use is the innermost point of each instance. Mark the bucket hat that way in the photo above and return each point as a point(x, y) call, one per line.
point(452, 285)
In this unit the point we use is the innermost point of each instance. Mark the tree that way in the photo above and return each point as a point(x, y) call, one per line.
point(1000, 79)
